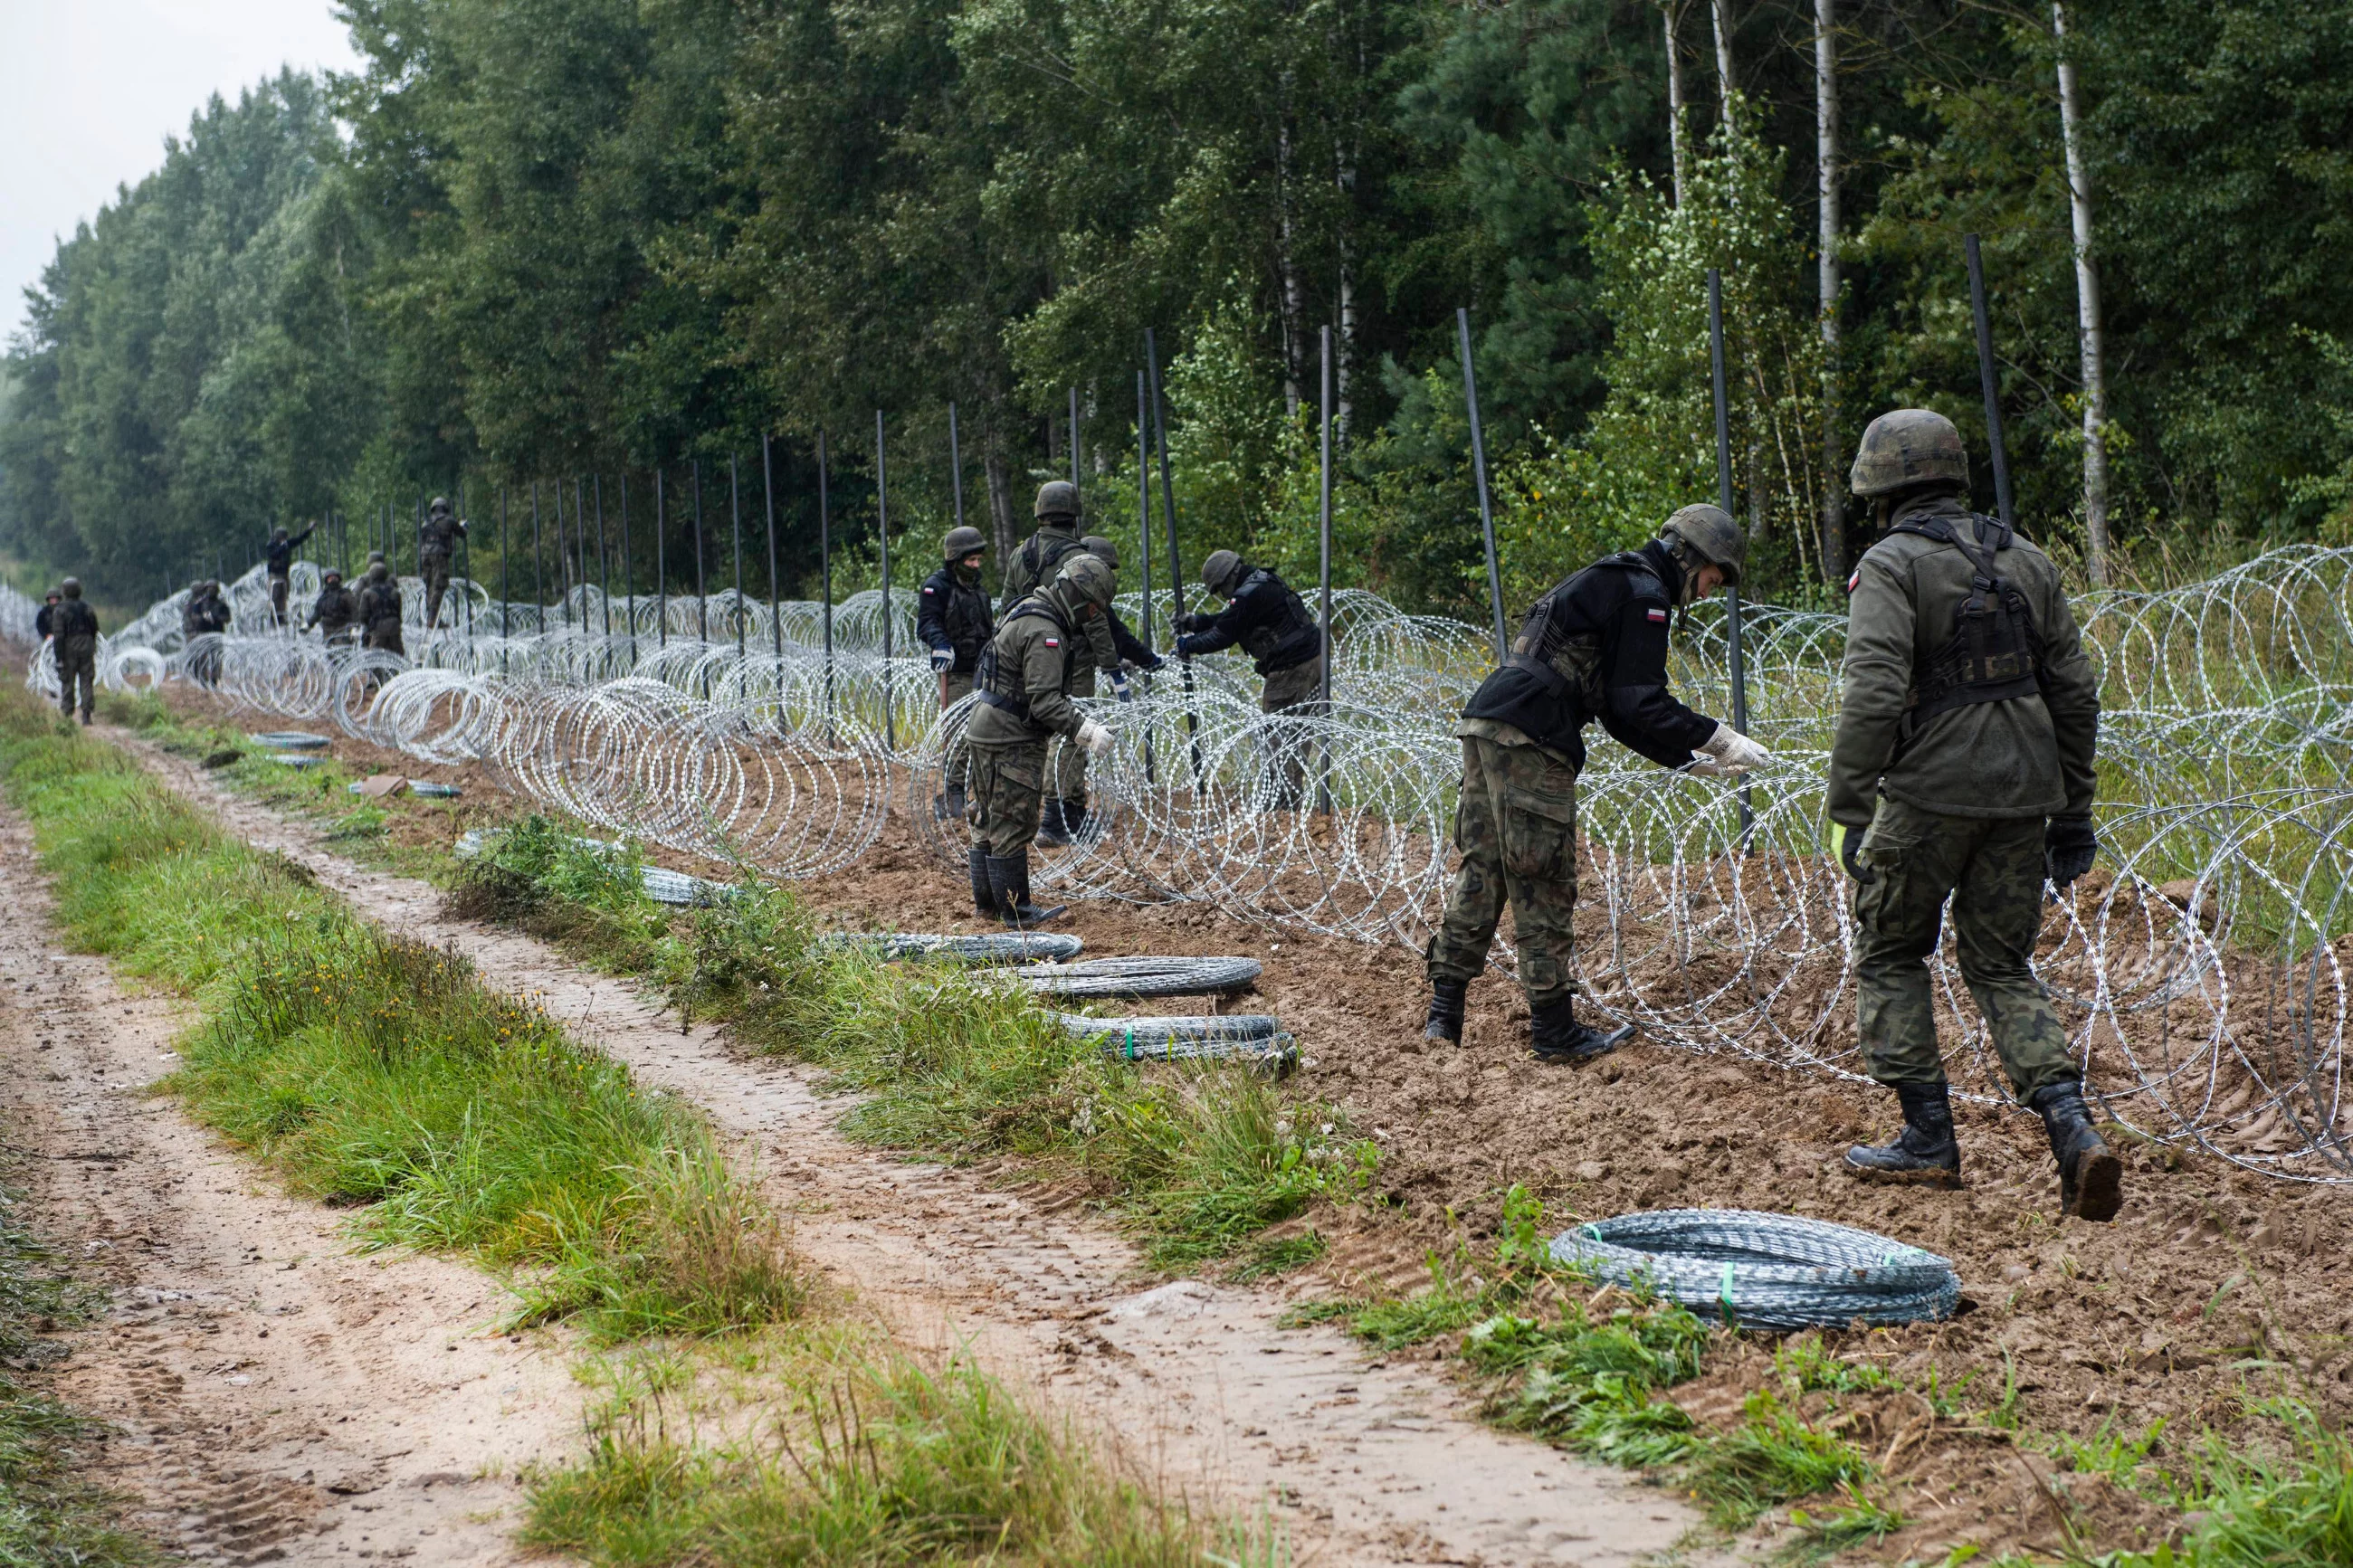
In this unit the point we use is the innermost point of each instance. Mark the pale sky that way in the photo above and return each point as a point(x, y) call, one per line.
point(88, 90)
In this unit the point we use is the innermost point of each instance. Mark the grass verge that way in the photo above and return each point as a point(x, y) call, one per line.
point(371, 1071)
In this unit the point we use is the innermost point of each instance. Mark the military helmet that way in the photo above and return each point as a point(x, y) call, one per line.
point(375, 557)
point(1102, 548)
point(1709, 532)
point(961, 543)
point(378, 571)
point(1907, 449)
point(1220, 570)
point(1056, 498)
point(278, 534)
point(332, 575)
point(1084, 580)
point(438, 507)
point(70, 587)
point(55, 594)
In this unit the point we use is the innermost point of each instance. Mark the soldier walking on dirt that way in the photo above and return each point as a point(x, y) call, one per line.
point(335, 611)
point(437, 541)
point(74, 627)
point(1593, 647)
point(277, 558)
point(1286, 648)
point(1023, 685)
point(952, 617)
point(1962, 771)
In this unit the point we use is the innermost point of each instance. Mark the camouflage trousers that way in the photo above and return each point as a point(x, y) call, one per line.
point(77, 668)
point(278, 588)
point(435, 570)
point(1992, 872)
point(955, 689)
point(1298, 690)
point(1005, 788)
point(1517, 830)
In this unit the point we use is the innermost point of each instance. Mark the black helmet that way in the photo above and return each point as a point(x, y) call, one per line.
point(332, 575)
point(1908, 448)
point(1710, 534)
point(1056, 498)
point(1083, 580)
point(1220, 572)
point(961, 543)
point(1102, 548)
point(70, 587)
point(278, 534)
point(438, 507)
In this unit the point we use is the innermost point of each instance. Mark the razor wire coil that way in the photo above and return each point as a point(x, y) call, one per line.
point(1765, 1270)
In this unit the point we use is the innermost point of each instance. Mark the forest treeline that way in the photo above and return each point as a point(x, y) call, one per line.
point(539, 239)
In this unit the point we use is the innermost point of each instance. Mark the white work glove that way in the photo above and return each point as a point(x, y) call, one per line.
point(1731, 752)
point(1094, 737)
point(942, 660)
point(1120, 684)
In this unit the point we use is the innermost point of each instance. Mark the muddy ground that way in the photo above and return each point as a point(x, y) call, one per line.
point(2216, 1286)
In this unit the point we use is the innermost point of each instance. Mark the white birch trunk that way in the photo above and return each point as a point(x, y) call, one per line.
point(1670, 15)
point(1826, 190)
point(1722, 13)
point(1287, 262)
point(2087, 314)
point(1344, 348)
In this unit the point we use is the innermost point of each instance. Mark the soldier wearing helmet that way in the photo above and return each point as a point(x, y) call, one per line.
point(437, 541)
point(953, 620)
point(205, 613)
point(1594, 647)
point(1286, 648)
point(1064, 818)
point(379, 609)
point(1022, 686)
point(1961, 771)
point(74, 630)
point(335, 612)
point(277, 560)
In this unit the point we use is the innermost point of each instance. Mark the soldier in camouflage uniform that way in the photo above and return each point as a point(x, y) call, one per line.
point(379, 608)
point(1962, 771)
point(335, 611)
point(1023, 687)
point(951, 619)
point(1594, 647)
point(437, 541)
point(1286, 648)
point(1064, 818)
point(1037, 561)
point(278, 559)
point(74, 629)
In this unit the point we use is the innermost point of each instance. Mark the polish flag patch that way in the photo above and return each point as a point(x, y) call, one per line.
point(1853, 581)
point(1052, 643)
point(931, 590)
point(1658, 616)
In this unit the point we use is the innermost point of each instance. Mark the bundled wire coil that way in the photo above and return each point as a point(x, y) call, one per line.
point(1766, 1271)
point(1140, 976)
point(1012, 947)
point(289, 740)
point(294, 759)
point(1254, 1039)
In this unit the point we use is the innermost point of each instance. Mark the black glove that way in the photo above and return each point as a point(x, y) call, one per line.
point(1155, 663)
point(2068, 844)
point(1182, 649)
point(1849, 845)
point(1191, 621)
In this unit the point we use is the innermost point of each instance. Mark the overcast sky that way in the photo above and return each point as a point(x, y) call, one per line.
point(88, 90)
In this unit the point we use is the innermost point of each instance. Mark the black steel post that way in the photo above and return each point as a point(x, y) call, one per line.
point(1176, 566)
point(1988, 382)
point(661, 566)
point(701, 594)
point(735, 525)
point(538, 567)
point(1324, 538)
point(1723, 499)
point(604, 563)
point(629, 573)
point(1479, 472)
point(825, 579)
point(1144, 539)
point(1075, 438)
point(776, 615)
point(883, 534)
point(506, 580)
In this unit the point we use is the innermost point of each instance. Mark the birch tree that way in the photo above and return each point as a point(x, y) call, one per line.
point(2088, 313)
point(1825, 188)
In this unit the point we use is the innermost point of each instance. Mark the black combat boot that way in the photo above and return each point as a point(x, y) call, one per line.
point(1008, 882)
point(953, 803)
point(1445, 1011)
point(984, 898)
point(2091, 1177)
point(1556, 1035)
point(1925, 1153)
point(1051, 831)
point(1081, 827)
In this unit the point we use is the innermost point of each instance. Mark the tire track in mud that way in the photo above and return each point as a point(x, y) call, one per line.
point(268, 1394)
point(1365, 1460)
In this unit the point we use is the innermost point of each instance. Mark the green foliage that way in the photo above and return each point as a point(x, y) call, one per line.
point(374, 1071)
point(2256, 1505)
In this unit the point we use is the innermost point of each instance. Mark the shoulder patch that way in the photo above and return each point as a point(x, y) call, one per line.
point(1656, 614)
point(1854, 580)
point(1053, 642)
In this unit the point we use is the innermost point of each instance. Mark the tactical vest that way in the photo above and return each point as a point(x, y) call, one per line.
point(1550, 685)
point(334, 609)
point(1288, 638)
point(1996, 652)
point(74, 621)
point(1042, 557)
point(379, 603)
point(964, 618)
point(1000, 688)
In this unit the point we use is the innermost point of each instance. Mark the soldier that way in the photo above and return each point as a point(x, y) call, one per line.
point(75, 628)
point(205, 612)
point(1064, 817)
point(1023, 684)
point(1285, 644)
point(1593, 647)
point(952, 617)
point(42, 617)
point(379, 609)
point(437, 541)
point(278, 562)
point(335, 611)
point(1962, 770)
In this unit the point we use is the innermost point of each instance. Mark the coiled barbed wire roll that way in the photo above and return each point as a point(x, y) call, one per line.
point(1011, 947)
point(1765, 1270)
point(289, 740)
point(1253, 1038)
point(1139, 977)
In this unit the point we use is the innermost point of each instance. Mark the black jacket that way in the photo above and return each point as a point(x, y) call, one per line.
point(280, 552)
point(41, 620)
point(1266, 617)
point(74, 620)
point(1596, 647)
point(209, 614)
point(953, 614)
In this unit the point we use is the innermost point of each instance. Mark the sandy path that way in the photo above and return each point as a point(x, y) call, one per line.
point(1366, 1461)
point(272, 1394)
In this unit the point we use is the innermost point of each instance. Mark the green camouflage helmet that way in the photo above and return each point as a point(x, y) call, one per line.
point(1710, 534)
point(1220, 571)
point(1908, 448)
point(961, 543)
point(1083, 580)
point(1102, 548)
point(1056, 498)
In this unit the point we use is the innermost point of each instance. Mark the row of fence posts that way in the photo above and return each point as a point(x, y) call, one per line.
point(1151, 438)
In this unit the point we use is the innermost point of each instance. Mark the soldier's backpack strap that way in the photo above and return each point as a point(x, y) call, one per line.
point(986, 676)
point(1995, 654)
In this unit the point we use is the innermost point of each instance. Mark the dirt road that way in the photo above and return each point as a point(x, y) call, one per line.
point(271, 1394)
point(1366, 1461)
